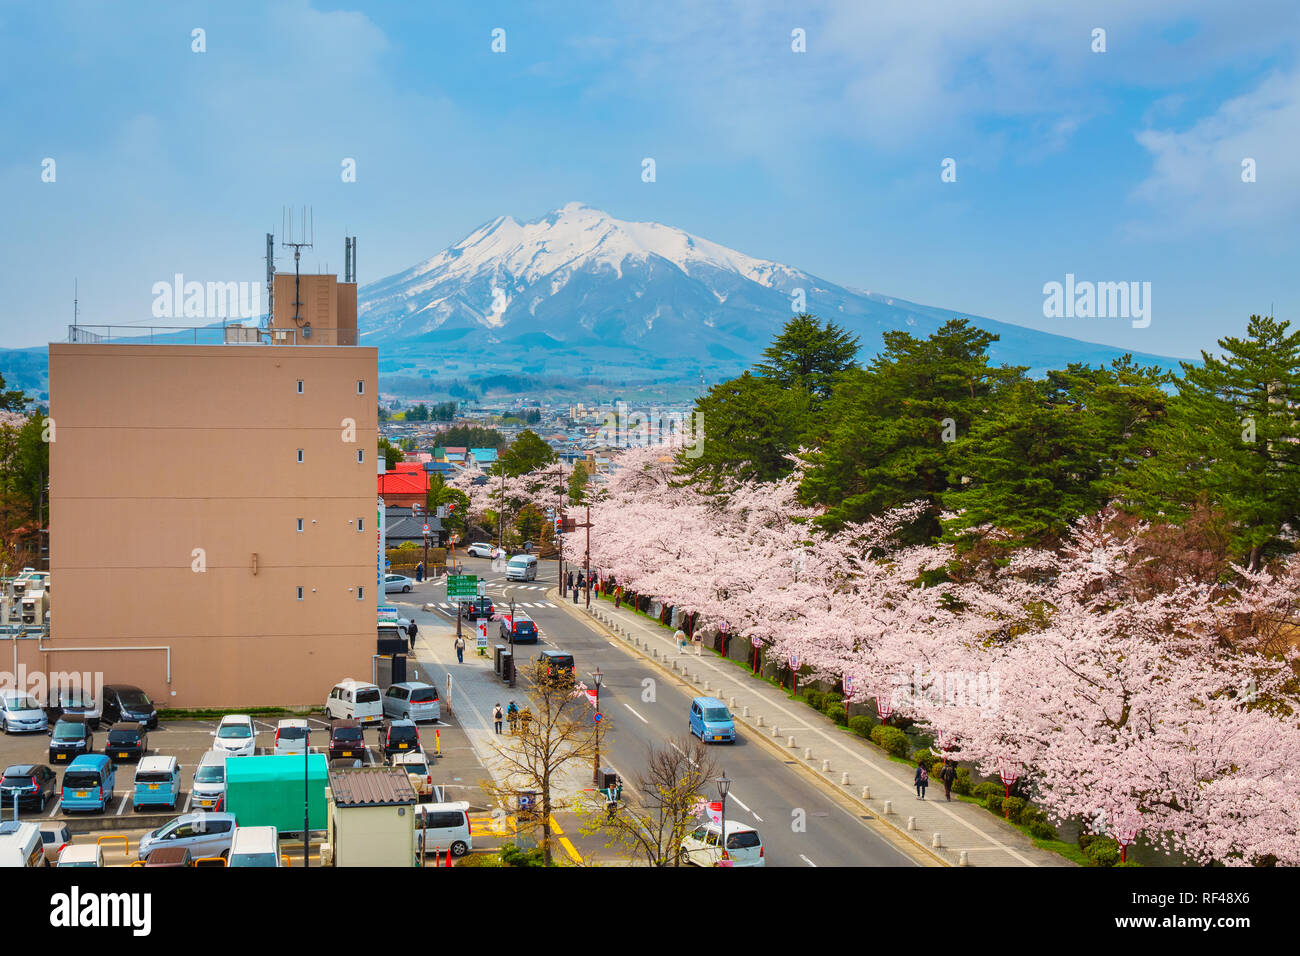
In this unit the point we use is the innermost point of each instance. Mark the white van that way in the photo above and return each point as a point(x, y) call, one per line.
point(357, 700)
point(440, 827)
point(255, 846)
point(21, 844)
point(82, 854)
point(522, 567)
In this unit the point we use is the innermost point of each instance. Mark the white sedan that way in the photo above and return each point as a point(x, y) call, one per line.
point(397, 582)
point(481, 549)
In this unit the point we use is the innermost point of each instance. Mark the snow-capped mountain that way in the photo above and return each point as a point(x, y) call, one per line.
point(578, 291)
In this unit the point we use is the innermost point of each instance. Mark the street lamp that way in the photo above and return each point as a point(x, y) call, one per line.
point(513, 662)
point(724, 785)
point(595, 768)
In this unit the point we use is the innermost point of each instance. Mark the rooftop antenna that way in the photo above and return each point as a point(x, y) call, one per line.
point(270, 278)
point(306, 235)
point(349, 258)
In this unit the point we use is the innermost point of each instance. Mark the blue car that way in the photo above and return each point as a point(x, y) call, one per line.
point(711, 721)
point(88, 783)
point(157, 783)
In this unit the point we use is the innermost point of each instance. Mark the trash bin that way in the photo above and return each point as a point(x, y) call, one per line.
point(496, 658)
point(507, 670)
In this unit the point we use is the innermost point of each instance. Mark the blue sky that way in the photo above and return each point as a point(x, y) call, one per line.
point(1115, 166)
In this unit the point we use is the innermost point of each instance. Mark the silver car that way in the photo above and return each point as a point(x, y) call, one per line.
point(412, 700)
point(209, 787)
point(20, 713)
point(204, 834)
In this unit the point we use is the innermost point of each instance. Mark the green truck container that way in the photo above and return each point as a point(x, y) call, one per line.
point(268, 791)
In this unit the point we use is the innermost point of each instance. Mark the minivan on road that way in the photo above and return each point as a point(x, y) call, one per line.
point(88, 783)
point(522, 567)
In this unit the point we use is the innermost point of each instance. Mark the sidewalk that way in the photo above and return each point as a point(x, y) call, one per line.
point(960, 834)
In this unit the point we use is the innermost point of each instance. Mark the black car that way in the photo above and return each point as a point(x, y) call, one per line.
point(129, 741)
point(347, 739)
point(557, 663)
point(475, 608)
point(525, 630)
point(127, 703)
point(32, 784)
point(398, 736)
point(69, 739)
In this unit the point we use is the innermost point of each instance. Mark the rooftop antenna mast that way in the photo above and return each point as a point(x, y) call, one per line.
point(306, 234)
point(270, 278)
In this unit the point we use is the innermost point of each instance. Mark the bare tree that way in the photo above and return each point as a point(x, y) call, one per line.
point(652, 822)
point(552, 733)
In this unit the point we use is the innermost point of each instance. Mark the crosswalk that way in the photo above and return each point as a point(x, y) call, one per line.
point(451, 607)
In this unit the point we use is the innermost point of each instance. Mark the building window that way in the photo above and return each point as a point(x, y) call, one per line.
point(300, 456)
point(361, 593)
point(361, 524)
point(361, 455)
point(299, 524)
point(300, 594)
point(361, 386)
point(299, 386)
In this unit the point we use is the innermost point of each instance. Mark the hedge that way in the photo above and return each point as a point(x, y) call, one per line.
point(890, 739)
point(861, 725)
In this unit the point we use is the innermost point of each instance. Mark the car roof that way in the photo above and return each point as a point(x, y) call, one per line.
point(401, 722)
point(293, 722)
point(345, 722)
point(155, 763)
point(20, 769)
point(214, 756)
point(80, 851)
point(735, 827)
point(122, 687)
point(351, 682)
point(13, 694)
point(435, 807)
point(126, 725)
point(411, 756)
point(89, 762)
point(260, 837)
point(709, 702)
point(411, 684)
point(72, 718)
point(233, 717)
point(202, 815)
point(554, 652)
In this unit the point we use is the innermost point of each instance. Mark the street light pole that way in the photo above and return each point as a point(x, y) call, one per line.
point(586, 558)
point(595, 769)
point(306, 798)
point(724, 785)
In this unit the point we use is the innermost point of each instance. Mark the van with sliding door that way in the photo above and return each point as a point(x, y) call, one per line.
point(522, 567)
point(88, 784)
point(355, 700)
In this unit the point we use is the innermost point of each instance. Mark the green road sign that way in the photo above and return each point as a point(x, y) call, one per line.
point(462, 586)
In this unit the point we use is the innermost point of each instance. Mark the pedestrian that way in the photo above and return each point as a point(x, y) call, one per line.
point(922, 780)
point(618, 597)
point(419, 572)
point(680, 637)
point(948, 775)
point(512, 716)
point(575, 595)
point(497, 717)
point(582, 581)
point(460, 650)
point(411, 630)
point(568, 585)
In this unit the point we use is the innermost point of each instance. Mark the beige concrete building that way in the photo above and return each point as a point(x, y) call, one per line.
point(213, 518)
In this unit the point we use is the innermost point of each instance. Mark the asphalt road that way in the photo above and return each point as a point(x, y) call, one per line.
point(800, 824)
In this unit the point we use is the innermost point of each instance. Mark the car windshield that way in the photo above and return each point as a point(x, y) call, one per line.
point(518, 563)
point(718, 714)
point(24, 702)
point(80, 780)
point(235, 731)
point(69, 731)
point(152, 776)
point(16, 780)
point(123, 736)
point(423, 695)
point(253, 859)
point(135, 699)
point(368, 696)
point(211, 773)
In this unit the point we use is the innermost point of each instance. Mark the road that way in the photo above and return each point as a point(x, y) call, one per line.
point(800, 824)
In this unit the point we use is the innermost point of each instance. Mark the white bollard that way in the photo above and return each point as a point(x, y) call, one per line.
point(866, 793)
point(706, 685)
point(888, 808)
point(758, 721)
point(844, 779)
point(936, 841)
point(744, 711)
point(826, 766)
point(776, 731)
point(962, 859)
point(789, 742)
point(807, 753)
point(911, 823)
point(731, 703)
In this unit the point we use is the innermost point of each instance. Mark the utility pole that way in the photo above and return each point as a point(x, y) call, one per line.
point(501, 513)
point(586, 558)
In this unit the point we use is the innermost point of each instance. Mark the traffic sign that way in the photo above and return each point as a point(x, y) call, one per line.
point(598, 716)
point(462, 586)
point(426, 529)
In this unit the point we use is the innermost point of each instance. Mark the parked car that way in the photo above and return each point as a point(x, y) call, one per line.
point(711, 721)
point(126, 702)
point(398, 735)
point(397, 582)
point(208, 789)
point(357, 700)
point(292, 736)
point(54, 837)
point(522, 567)
point(81, 854)
point(557, 663)
point(20, 713)
point(474, 608)
point(204, 834)
point(255, 846)
point(70, 738)
point(416, 765)
point(347, 739)
point(481, 549)
point(127, 741)
point(412, 700)
point(442, 827)
point(88, 783)
point(523, 627)
point(744, 845)
point(21, 845)
point(79, 703)
point(236, 735)
point(157, 783)
point(29, 783)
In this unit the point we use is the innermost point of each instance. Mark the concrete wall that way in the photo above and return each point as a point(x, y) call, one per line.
point(161, 450)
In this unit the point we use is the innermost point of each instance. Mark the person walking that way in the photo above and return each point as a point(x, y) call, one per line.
point(497, 717)
point(618, 597)
point(568, 585)
point(419, 572)
point(680, 637)
point(922, 780)
point(948, 774)
point(411, 630)
point(460, 650)
point(575, 595)
point(512, 716)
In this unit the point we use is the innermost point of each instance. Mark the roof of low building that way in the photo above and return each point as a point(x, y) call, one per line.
point(371, 787)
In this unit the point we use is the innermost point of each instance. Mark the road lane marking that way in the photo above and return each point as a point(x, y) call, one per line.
point(122, 807)
point(673, 744)
point(808, 861)
point(639, 717)
point(57, 803)
point(740, 802)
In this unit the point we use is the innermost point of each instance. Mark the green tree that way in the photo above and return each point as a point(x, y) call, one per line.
point(440, 493)
point(750, 425)
point(392, 454)
point(526, 453)
point(418, 413)
point(578, 483)
point(809, 355)
point(882, 444)
point(471, 436)
point(24, 471)
point(1230, 439)
point(11, 400)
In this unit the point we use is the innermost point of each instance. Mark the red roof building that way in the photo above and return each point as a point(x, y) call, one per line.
point(404, 488)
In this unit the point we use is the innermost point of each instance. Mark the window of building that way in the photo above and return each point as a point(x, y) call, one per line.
point(361, 524)
point(300, 594)
point(299, 386)
point(361, 593)
point(299, 524)
point(300, 456)
point(361, 386)
point(361, 455)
